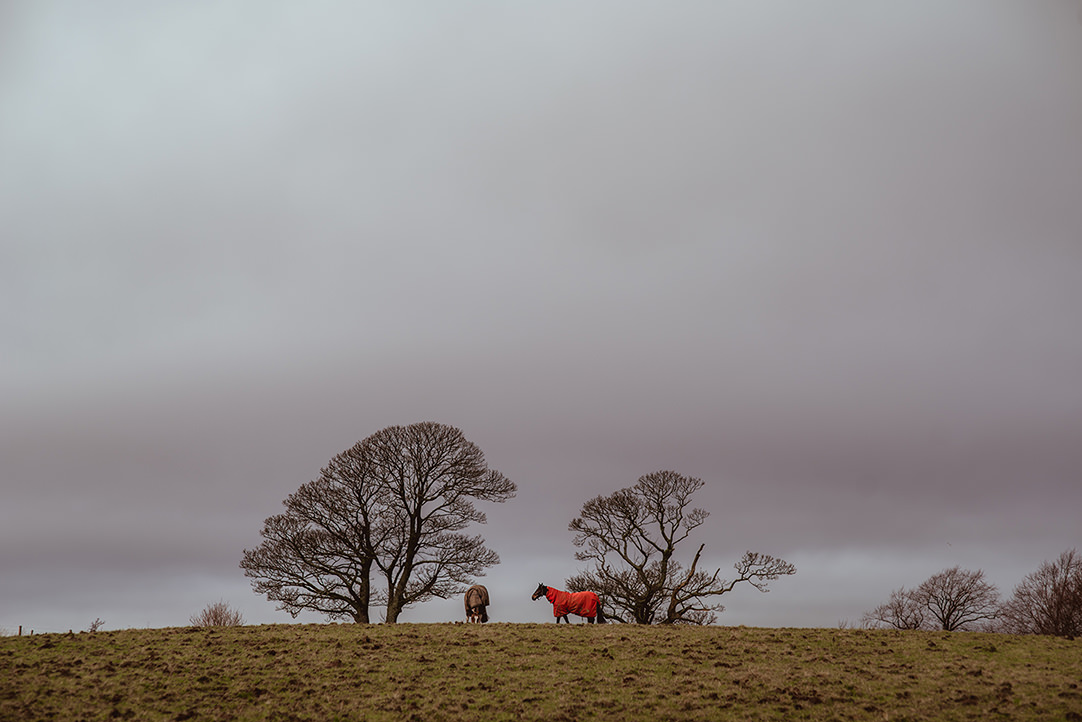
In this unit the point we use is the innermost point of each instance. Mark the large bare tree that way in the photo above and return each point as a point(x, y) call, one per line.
point(1047, 601)
point(392, 506)
point(632, 535)
point(953, 599)
point(318, 554)
point(432, 476)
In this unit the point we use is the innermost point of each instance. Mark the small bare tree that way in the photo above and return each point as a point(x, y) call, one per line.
point(95, 625)
point(952, 600)
point(631, 536)
point(218, 614)
point(1048, 601)
point(902, 611)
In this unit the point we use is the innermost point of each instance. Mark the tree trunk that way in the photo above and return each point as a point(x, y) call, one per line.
point(363, 595)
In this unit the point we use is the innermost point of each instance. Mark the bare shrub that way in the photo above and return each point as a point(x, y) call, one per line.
point(218, 614)
point(95, 625)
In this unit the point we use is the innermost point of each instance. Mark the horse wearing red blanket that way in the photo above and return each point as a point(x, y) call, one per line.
point(583, 604)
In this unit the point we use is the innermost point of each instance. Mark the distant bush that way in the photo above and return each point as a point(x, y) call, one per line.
point(218, 614)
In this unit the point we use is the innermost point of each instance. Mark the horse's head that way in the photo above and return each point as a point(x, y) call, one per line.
point(541, 591)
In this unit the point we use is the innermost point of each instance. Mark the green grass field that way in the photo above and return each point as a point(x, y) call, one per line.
point(537, 672)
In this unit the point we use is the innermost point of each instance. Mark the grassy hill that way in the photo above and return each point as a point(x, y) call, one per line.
point(536, 672)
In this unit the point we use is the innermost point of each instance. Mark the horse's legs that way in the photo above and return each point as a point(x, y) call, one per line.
point(590, 620)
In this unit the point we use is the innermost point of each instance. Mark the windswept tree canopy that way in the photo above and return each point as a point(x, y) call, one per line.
point(394, 504)
point(631, 537)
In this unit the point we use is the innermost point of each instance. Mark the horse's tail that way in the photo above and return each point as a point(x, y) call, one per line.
point(600, 614)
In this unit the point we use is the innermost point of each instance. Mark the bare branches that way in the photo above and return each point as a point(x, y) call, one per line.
point(958, 598)
point(433, 474)
point(758, 569)
point(902, 611)
point(631, 536)
point(1048, 601)
point(392, 504)
point(954, 599)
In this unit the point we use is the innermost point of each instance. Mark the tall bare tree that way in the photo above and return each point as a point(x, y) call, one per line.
point(432, 476)
point(318, 554)
point(953, 599)
point(1047, 601)
point(391, 506)
point(632, 535)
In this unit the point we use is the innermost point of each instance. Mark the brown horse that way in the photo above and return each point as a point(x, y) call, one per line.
point(476, 603)
point(583, 604)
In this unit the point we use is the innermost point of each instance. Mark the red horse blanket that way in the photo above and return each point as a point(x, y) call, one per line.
point(584, 604)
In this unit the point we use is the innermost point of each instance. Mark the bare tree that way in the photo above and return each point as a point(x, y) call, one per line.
point(319, 554)
point(958, 599)
point(631, 537)
point(953, 599)
point(218, 614)
point(431, 476)
point(392, 505)
point(902, 611)
point(1048, 601)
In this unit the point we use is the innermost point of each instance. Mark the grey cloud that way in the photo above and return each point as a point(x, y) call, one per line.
point(826, 257)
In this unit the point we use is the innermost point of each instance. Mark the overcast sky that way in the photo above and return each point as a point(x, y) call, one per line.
point(825, 256)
